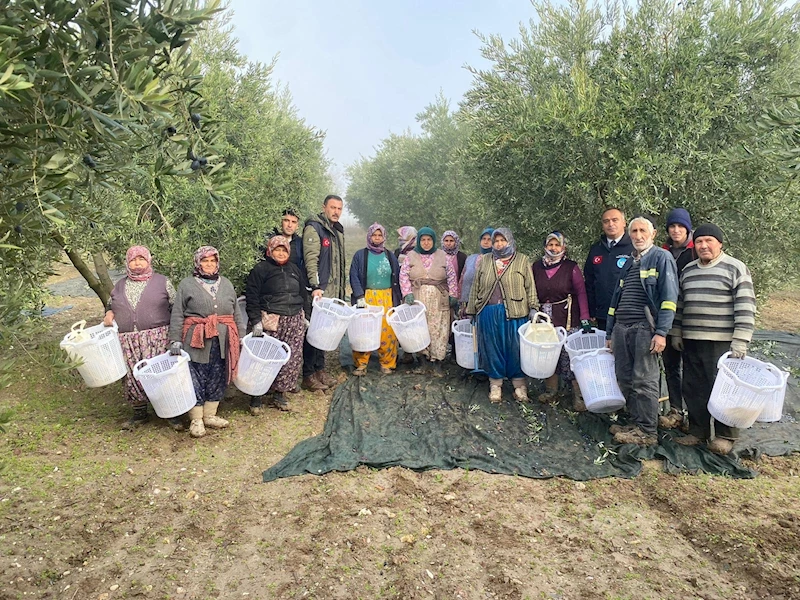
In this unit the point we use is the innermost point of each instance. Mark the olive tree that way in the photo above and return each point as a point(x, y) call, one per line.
point(646, 108)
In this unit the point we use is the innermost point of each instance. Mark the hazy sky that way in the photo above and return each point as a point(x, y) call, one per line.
point(362, 69)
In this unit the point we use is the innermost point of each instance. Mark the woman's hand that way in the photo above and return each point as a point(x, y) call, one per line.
point(108, 320)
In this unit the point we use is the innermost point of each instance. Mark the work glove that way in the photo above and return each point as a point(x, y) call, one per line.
point(473, 320)
point(677, 343)
point(409, 299)
point(738, 349)
point(532, 314)
point(258, 329)
point(453, 303)
point(175, 348)
point(586, 326)
point(361, 303)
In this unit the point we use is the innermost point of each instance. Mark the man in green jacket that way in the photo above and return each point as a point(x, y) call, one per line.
point(323, 252)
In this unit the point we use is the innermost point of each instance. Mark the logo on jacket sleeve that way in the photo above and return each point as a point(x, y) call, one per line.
point(621, 261)
point(597, 260)
point(326, 242)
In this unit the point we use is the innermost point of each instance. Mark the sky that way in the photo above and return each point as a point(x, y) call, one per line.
point(362, 69)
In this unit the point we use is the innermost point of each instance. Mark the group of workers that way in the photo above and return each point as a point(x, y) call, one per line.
point(687, 301)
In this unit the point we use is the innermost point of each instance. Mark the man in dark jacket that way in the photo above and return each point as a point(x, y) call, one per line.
point(290, 222)
point(639, 318)
point(324, 255)
point(604, 262)
point(680, 245)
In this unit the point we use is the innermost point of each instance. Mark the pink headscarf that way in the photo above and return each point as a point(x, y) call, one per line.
point(201, 253)
point(406, 238)
point(139, 274)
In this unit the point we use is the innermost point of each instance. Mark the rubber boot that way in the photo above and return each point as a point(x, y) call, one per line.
point(279, 401)
point(210, 418)
point(196, 427)
point(256, 404)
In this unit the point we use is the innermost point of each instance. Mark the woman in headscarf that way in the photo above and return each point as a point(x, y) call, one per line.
point(468, 274)
point(427, 276)
point(140, 303)
point(406, 239)
point(451, 244)
point(374, 279)
point(502, 297)
point(562, 296)
point(276, 293)
point(203, 324)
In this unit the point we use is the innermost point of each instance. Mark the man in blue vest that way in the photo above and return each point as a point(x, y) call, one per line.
point(324, 255)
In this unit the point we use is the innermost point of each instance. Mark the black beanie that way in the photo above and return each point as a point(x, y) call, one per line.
point(708, 229)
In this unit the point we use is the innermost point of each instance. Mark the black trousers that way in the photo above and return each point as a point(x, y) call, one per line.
point(313, 359)
point(699, 371)
point(673, 367)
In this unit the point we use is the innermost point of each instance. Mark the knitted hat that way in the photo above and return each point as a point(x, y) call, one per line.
point(679, 216)
point(709, 229)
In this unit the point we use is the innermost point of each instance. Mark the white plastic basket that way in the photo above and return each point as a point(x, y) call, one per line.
point(539, 359)
point(579, 342)
point(259, 363)
point(743, 388)
point(364, 329)
point(464, 338)
point(99, 350)
point(167, 381)
point(329, 320)
point(597, 379)
point(410, 325)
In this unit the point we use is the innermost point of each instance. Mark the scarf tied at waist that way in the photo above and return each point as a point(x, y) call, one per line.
point(207, 328)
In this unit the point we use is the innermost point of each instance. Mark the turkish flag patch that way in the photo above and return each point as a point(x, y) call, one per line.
point(326, 242)
point(596, 260)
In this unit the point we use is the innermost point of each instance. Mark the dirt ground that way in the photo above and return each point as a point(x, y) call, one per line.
point(88, 511)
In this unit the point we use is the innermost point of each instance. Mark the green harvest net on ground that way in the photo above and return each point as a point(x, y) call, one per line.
point(422, 422)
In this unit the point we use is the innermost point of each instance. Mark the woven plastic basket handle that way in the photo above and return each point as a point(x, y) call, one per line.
point(755, 388)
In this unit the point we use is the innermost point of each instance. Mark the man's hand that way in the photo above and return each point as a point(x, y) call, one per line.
point(738, 349)
point(361, 303)
point(608, 345)
point(316, 294)
point(258, 329)
point(657, 344)
point(677, 343)
point(108, 320)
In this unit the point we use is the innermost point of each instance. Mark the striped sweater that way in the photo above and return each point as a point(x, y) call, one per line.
point(717, 301)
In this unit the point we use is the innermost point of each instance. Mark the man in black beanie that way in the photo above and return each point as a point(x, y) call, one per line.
point(716, 314)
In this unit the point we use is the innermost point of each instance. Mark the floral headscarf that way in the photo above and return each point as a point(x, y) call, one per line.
point(139, 274)
point(509, 250)
point(454, 235)
point(274, 242)
point(406, 238)
point(551, 259)
point(372, 229)
point(481, 249)
point(429, 232)
point(201, 253)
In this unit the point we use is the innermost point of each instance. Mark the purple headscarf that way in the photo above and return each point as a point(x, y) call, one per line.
point(454, 235)
point(406, 238)
point(201, 253)
point(372, 229)
point(139, 274)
